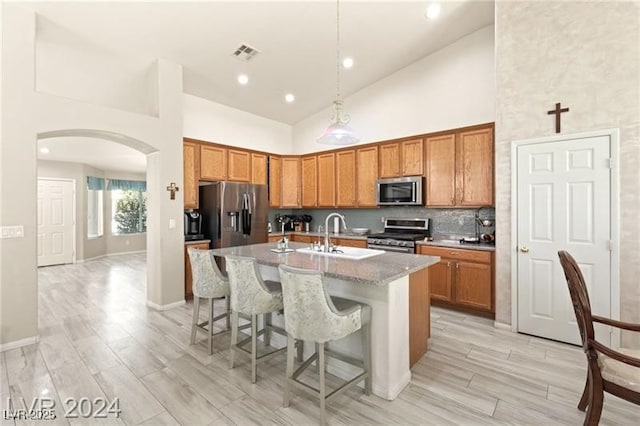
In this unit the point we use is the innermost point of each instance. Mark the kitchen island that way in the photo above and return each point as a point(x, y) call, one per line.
point(395, 285)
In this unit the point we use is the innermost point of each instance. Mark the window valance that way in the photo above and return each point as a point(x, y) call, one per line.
point(95, 183)
point(127, 185)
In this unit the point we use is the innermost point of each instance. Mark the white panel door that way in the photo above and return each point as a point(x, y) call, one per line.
point(563, 203)
point(55, 222)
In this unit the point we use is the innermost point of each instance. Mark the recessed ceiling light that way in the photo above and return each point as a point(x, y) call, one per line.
point(243, 79)
point(433, 11)
point(44, 150)
point(347, 62)
point(289, 97)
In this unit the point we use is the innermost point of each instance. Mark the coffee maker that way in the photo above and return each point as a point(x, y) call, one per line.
point(192, 225)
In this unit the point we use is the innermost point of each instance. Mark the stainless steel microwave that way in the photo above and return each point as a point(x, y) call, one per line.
point(405, 191)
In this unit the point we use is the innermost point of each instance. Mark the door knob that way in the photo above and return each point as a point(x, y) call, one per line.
point(524, 249)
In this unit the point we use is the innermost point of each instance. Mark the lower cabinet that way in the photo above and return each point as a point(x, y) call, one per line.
point(462, 278)
point(349, 242)
point(188, 278)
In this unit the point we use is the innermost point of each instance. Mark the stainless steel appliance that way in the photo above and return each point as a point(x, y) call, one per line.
point(234, 214)
point(404, 191)
point(192, 225)
point(400, 235)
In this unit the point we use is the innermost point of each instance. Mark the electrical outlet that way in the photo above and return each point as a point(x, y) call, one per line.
point(16, 231)
point(382, 219)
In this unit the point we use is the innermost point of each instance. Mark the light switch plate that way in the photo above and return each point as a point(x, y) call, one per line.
point(16, 231)
point(172, 224)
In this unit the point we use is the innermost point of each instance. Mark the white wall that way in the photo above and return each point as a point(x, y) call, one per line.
point(585, 55)
point(213, 122)
point(26, 114)
point(451, 88)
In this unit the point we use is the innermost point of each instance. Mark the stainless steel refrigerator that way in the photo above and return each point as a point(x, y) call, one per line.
point(234, 214)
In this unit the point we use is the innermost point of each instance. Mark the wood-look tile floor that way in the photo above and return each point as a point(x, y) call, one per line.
point(99, 340)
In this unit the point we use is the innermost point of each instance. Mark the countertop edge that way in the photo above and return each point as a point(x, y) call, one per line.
point(480, 247)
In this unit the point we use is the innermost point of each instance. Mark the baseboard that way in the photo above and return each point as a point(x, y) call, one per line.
point(90, 258)
point(108, 255)
point(502, 326)
point(19, 343)
point(165, 307)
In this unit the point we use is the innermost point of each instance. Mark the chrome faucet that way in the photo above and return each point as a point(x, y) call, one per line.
point(326, 229)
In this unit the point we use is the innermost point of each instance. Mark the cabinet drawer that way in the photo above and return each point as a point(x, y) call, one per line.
point(462, 254)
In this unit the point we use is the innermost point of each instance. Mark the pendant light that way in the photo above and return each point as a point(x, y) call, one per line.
point(339, 132)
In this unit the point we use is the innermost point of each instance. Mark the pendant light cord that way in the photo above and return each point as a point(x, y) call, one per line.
point(338, 50)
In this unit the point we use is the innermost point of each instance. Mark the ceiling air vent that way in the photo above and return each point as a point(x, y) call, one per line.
point(246, 53)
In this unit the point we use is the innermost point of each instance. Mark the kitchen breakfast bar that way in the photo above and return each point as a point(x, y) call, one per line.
point(396, 287)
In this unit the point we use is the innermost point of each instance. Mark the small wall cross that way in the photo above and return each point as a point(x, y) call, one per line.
point(173, 188)
point(557, 111)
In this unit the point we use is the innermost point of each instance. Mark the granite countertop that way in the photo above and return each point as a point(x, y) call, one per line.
point(348, 235)
point(186, 243)
point(376, 270)
point(458, 245)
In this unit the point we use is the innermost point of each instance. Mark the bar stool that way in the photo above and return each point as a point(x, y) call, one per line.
point(252, 296)
point(312, 315)
point(208, 283)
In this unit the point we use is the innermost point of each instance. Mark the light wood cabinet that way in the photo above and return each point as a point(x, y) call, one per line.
point(274, 238)
point(258, 168)
point(346, 178)
point(290, 182)
point(191, 174)
point(475, 168)
point(239, 165)
point(188, 277)
point(302, 238)
point(404, 158)
point(327, 180)
point(213, 163)
point(460, 169)
point(309, 185)
point(349, 242)
point(367, 176)
point(462, 278)
point(441, 171)
point(275, 181)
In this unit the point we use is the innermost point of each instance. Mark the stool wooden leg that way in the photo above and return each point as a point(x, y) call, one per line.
point(318, 359)
point(300, 350)
point(254, 348)
point(323, 400)
point(289, 374)
point(227, 300)
point(194, 321)
point(210, 326)
point(234, 338)
point(366, 356)
point(267, 329)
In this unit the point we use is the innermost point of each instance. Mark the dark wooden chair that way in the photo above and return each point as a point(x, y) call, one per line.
point(616, 372)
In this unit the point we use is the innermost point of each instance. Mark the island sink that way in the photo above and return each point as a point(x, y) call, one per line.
point(353, 253)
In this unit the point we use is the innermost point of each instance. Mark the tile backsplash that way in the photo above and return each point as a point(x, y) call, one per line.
point(445, 223)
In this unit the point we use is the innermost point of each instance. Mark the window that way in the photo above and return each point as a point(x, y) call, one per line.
point(95, 194)
point(128, 212)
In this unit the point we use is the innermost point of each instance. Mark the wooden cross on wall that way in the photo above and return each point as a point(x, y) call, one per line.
point(557, 111)
point(172, 188)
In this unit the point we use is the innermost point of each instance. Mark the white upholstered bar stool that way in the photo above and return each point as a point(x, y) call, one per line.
point(312, 315)
point(252, 296)
point(208, 283)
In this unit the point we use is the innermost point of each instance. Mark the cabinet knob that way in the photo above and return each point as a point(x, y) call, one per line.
point(524, 249)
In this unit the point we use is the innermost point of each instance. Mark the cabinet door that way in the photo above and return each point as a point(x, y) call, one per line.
point(213, 163)
point(367, 175)
point(326, 180)
point(274, 238)
point(290, 182)
point(239, 164)
point(309, 181)
point(390, 160)
point(258, 168)
point(440, 280)
point(191, 174)
point(302, 238)
point(348, 242)
point(346, 178)
point(473, 285)
point(275, 181)
point(441, 170)
point(412, 157)
point(475, 168)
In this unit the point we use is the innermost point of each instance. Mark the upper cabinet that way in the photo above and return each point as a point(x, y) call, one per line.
point(327, 180)
point(309, 188)
point(367, 176)
point(213, 162)
point(290, 182)
point(460, 168)
point(191, 173)
point(346, 178)
point(275, 181)
point(239, 165)
point(258, 168)
point(404, 158)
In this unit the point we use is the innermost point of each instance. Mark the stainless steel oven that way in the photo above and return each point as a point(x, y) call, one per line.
point(400, 235)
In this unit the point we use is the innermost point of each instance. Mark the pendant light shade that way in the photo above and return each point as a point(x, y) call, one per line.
point(339, 132)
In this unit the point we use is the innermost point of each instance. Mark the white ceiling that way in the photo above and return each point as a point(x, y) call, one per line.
point(296, 39)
